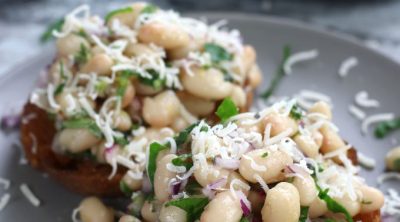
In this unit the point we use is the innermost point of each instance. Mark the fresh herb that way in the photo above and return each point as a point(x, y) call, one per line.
point(125, 189)
point(296, 113)
point(278, 74)
point(122, 141)
point(182, 137)
point(59, 89)
point(332, 205)
point(366, 202)
point(244, 219)
point(386, 127)
point(48, 34)
point(227, 76)
point(155, 82)
point(329, 220)
point(155, 148)
point(396, 165)
point(183, 160)
point(137, 203)
point(122, 84)
point(264, 155)
point(149, 9)
point(83, 123)
point(193, 206)
point(217, 53)
point(62, 74)
point(303, 214)
point(101, 86)
point(226, 110)
point(82, 56)
point(116, 12)
point(82, 34)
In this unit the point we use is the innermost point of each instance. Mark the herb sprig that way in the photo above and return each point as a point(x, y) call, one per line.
point(226, 110)
point(193, 206)
point(48, 34)
point(384, 128)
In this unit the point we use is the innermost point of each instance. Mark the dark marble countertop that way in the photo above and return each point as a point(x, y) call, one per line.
point(377, 23)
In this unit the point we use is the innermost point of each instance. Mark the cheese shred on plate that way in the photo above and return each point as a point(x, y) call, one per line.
point(30, 196)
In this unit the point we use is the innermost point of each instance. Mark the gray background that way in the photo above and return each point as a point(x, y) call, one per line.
point(377, 23)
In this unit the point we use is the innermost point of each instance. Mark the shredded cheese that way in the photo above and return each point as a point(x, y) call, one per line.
point(5, 182)
point(362, 99)
point(357, 112)
point(375, 119)
point(365, 160)
point(30, 196)
point(4, 201)
point(299, 57)
point(346, 65)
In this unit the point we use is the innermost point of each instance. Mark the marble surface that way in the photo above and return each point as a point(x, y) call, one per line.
point(377, 23)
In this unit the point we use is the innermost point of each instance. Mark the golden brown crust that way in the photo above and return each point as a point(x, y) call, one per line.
point(81, 176)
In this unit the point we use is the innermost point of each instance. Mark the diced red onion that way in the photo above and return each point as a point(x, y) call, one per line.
point(244, 203)
point(232, 164)
point(209, 189)
point(146, 185)
point(10, 122)
point(176, 188)
point(295, 170)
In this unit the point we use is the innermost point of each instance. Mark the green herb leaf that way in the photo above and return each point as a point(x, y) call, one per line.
point(264, 155)
point(101, 86)
point(193, 206)
point(182, 137)
point(62, 74)
point(244, 219)
point(155, 148)
point(116, 12)
point(183, 160)
point(83, 55)
point(296, 113)
point(386, 127)
point(59, 89)
point(303, 214)
point(125, 188)
point(332, 205)
point(83, 123)
point(122, 141)
point(278, 74)
point(329, 220)
point(48, 34)
point(217, 53)
point(226, 109)
point(149, 9)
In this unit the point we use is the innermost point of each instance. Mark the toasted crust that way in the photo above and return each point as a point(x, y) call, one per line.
point(83, 176)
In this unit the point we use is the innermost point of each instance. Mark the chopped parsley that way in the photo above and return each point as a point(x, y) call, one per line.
point(59, 89)
point(48, 34)
point(303, 214)
point(226, 110)
point(217, 53)
point(149, 9)
point(386, 127)
point(244, 219)
point(122, 84)
point(62, 74)
point(83, 123)
point(183, 160)
point(155, 148)
point(183, 136)
point(116, 12)
point(366, 202)
point(122, 141)
point(193, 206)
point(264, 155)
point(101, 87)
point(296, 113)
point(125, 188)
point(332, 205)
point(278, 74)
point(82, 56)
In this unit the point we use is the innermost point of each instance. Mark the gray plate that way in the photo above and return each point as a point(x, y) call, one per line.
point(377, 74)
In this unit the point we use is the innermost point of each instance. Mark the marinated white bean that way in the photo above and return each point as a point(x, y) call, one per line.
point(122, 121)
point(149, 212)
point(322, 108)
point(307, 145)
point(162, 178)
point(128, 218)
point(196, 105)
point(168, 36)
point(393, 159)
point(353, 207)
point(331, 140)
point(161, 110)
point(224, 207)
point(92, 209)
point(238, 96)
point(77, 140)
point(100, 64)
point(71, 45)
point(372, 199)
point(205, 175)
point(128, 18)
point(254, 76)
point(306, 188)
point(280, 123)
point(281, 204)
point(172, 214)
point(317, 208)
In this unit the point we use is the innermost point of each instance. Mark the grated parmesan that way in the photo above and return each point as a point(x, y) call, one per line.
point(375, 119)
point(5, 182)
point(4, 201)
point(366, 161)
point(299, 57)
point(388, 176)
point(346, 65)
point(357, 112)
point(30, 196)
point(362, 99)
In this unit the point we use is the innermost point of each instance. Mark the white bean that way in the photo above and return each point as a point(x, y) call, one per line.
point(92, 209)
point(317, 208)
point(393, 159)
point(307, 190)
point(172, 214)
point(372, 199)
point(179, 124)
point(182, 52)
point(307, 145)
point(122, 121)
point(100, 64)
point(138, 49)
point(146, 90)
point(280, 123)
point(128, 218)
point(206, 175)
point(77, 140)
point(238, 96)
point(162, 178)
point(166, 35)
point(133, 184)
point(281, 204)
point(224, 207)
point(128, 18)
point(207, 84)
point(129, 95)
point(352, 206)
point(161, 110)
point(148, 212)
point(331, 140)
point(71, 44)
point(322, 108)
point(196, 105)
point(273, 162)
point(254, 76)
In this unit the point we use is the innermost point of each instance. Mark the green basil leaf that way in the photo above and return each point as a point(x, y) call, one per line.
point(226, 109)
point(193, 206)
point(303, 214)
point(116, 12)
point(101, 86)
point(48, 34)
point(386, 127)
point(278, 74)
point(155, 148)
point(83, 123)
point(82, 56)
point(217, 53)
point(296, 113)
point(62, 74)
point(59, 89)
point(125, 188)
point(149, 9)
point(122, 141)
point(182, 137)
point(183, 160)
point(332, 205)
point(264, 155)
point(244, 219)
